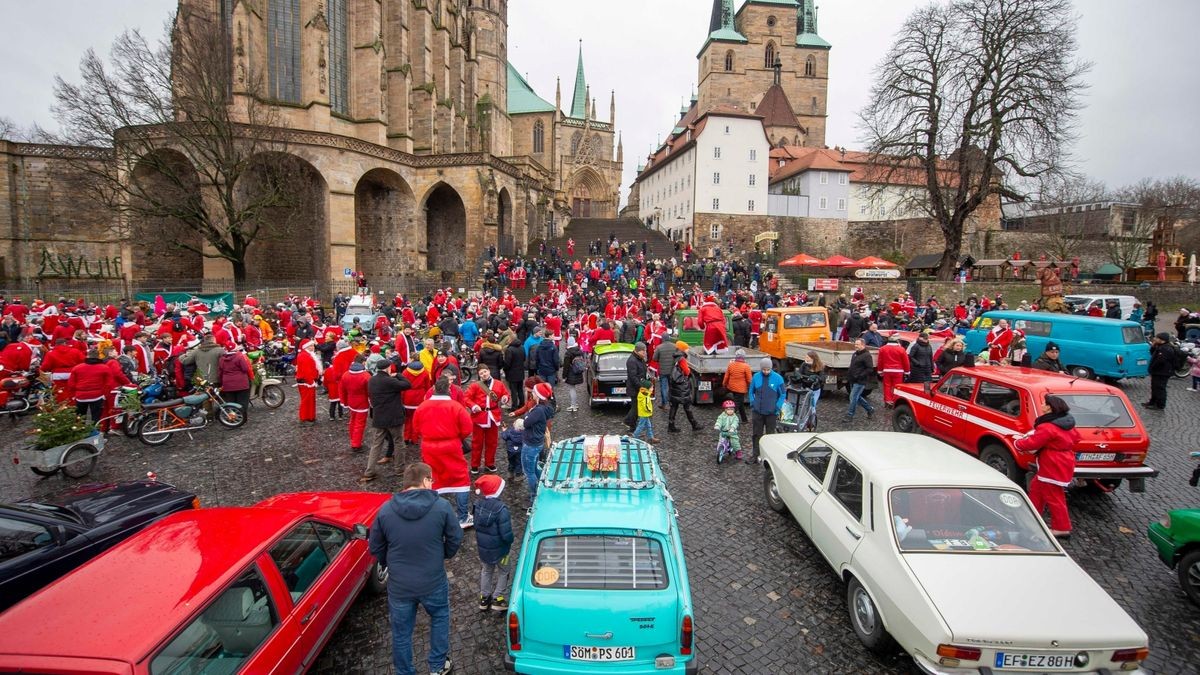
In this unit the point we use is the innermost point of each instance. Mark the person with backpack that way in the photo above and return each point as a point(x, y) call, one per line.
point(574, 366)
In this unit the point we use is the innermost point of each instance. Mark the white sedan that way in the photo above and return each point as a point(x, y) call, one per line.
point(946, 557)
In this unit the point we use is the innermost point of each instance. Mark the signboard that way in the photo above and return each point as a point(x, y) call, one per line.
point(218, 303)
point(764, 236)
point(347, 272)
point(822, 284)
point(891, 273)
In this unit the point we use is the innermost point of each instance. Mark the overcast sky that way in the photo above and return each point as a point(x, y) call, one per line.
point(1140, 120)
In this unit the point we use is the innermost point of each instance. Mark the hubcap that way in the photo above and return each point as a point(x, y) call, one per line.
point(864, 611)
point(904, 422)
point(773, 491)
point(1194, 575)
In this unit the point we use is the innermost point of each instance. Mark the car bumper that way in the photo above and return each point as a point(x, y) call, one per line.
point(540, 666)
point(1163, 542)
point(924, 665)
point(1103, 472)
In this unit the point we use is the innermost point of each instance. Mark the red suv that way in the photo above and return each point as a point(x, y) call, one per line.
point(979, 409)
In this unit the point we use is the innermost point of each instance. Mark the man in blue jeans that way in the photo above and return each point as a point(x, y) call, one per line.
point(414, 533)
point(860, 375)
point(534, 438)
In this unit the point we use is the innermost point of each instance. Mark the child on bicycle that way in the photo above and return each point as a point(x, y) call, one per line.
point(645, 411)
point(727, 425)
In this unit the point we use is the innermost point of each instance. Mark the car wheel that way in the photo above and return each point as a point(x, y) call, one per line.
point(771, 492)
point(1082, 372)
point(273, 396)
point(903, 420)
point(867, 622)
point(79, 460)
point(1189, 575)
point(377, 578)
point(999, 458)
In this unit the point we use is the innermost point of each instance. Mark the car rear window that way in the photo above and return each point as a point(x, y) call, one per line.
point(614, 361)
point(804, 320)
point(966, 520)
point(600, 562)
point(1098, 410)
point(1133, 335)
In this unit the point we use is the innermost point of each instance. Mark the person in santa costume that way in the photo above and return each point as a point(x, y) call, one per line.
point(712, 319)
point(892, 364)
point(420, 381)
point(58, 362)
point(342, 358)
point(308, 374)
point(354, 396)
point(442, 425)
point(16, 357)
point(998, 341)
point(485, 399)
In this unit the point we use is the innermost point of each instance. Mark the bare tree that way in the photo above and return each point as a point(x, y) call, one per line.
point(11, 131)
point(976, 98)
point(1177, 199)
point(188, 156)
point(1063, 232)
point(1131, 246)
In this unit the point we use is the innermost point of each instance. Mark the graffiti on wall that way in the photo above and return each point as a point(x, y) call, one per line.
point(68, 266)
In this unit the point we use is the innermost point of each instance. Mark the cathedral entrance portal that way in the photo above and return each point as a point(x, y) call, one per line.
point(445, 230)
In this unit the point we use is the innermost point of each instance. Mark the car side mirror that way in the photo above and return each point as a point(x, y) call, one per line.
point(794, 455)
point(361, 532)
point(60, 534)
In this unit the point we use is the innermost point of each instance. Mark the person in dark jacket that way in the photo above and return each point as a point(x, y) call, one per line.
point(536, 422)
point(514, 372)
point(413, 535)
point(920, 361)
point(545, 357)
point(1162, 368)
point(741, 330)
point(574, 366)
point(635, 372)
point(233, 377)
point(860, 375)
point(494, 539)
point(855, 325)
point(680, 384)
point(387, 414)
point(1048, 361)
point(664, 356)
point(491, 354)
point(953, 355)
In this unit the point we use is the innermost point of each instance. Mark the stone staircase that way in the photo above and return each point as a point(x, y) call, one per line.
point(585, 230)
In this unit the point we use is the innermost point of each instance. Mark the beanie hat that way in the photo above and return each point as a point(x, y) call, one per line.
point(681, 345)
point(639, 346)
point(1051, 345)
point(765, 364)
point(543, 391)
point(1165, 337)
point(415, 365)
point(490, 485)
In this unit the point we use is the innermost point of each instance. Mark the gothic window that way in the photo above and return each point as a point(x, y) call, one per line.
point(815, 108)
point(339, 59)
point(539, 137)
point(769, 56)
point(729, 61)
point(810, 66)
point(283, 50)
point(575, 143)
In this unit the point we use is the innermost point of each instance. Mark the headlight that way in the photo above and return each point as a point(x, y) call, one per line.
point(1165, 521)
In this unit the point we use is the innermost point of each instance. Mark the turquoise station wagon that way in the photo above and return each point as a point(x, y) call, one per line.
point(601, 584)
point(1091, 346)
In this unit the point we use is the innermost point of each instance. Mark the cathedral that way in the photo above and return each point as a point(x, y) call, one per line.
point(419, 144)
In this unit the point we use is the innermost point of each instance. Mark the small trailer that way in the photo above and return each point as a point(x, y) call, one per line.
point(708, 370)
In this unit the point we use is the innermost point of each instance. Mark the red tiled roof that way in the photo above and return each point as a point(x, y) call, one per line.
point(864, 167)
point(776, 109)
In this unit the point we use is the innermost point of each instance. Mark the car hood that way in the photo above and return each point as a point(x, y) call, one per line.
point(1030, 601)
point(99, 504)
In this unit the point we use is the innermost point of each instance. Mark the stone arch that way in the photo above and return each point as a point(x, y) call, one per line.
point(291, 197)
point(164, 187)
point(588, 194)
point(505, 239)
point(384, 239)
point(445, 229)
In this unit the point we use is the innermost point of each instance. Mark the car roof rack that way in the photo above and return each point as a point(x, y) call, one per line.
point(566, 467)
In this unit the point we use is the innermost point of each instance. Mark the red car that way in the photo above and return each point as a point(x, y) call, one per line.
point(979, 409)
point(255, 589)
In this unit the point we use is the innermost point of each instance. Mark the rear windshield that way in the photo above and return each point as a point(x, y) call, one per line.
point(1132, 334)
point(597, 561)
point(805, 320)
point(1098, 410)
point(977, 521)
point(613, 361)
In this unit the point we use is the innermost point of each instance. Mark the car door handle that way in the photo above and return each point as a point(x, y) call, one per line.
point(813, 490)
point(313, 610)
point(599, 636)
point(962, 407)
point(853, 533)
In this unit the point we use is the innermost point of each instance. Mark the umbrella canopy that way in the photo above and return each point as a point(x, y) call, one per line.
point(837, 261)
point(872, 261)
point(1108, 270)
point(801, 259)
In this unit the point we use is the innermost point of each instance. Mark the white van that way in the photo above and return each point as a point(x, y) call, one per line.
point(1080, 304)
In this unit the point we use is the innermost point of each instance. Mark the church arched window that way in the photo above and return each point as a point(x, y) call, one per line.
point(770, 55)
point(539, 137)
point(810, 66)
point(729, 61)
point(283, 50)
point(575, 143)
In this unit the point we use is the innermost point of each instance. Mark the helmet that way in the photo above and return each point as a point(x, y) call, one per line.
point(728, 404)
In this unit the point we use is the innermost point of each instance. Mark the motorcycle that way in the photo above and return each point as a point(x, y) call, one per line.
point(187, 414)
point(131, 402)
point(468, 362)
point(278, 360)
point(21, 392)
point(1191, 350)
point(264, 387)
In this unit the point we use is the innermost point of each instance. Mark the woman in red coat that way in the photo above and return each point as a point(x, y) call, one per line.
point(1053, 440)
point(308, 374)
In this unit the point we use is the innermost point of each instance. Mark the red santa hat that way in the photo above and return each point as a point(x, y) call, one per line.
point(305, 343)
point(542, 391)
point(490, 485)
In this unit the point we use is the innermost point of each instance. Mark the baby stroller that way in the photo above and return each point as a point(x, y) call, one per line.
point(799, 411)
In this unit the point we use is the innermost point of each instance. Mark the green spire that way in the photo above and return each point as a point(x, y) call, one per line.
point(806, 26)
point(579, 102)
point(721, 26)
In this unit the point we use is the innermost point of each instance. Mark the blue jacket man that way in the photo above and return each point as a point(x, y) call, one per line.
point(469, 332)
point(546, 359)
point(414, 533)
point(767, 395)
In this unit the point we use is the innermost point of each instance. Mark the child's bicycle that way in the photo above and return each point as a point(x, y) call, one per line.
point(724, 449)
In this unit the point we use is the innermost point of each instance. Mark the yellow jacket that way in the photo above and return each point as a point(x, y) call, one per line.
point(645, 402)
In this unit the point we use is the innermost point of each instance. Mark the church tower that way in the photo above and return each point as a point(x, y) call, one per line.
point(488, 45)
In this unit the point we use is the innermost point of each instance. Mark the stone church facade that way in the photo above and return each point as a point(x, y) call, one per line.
point(396, 113)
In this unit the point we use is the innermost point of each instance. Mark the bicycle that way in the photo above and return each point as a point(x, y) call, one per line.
point(725, 449)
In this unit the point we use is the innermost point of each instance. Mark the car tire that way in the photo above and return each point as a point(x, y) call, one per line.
point(377, 577)
point(999, 458)
point(903, 420)
point(771, 492)
point(86, 454)
point(866, 620)
point(1189, 575)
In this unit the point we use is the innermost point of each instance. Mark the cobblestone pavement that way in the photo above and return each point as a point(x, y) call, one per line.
point(766, 602)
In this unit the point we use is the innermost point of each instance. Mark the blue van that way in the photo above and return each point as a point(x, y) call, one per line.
point(1090, 346)
point(601, 584)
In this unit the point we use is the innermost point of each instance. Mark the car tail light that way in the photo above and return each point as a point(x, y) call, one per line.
point(195, 502)
point(685, 636)
point(1131, 655)
point(514, 632)
point(953, 654)
point(1120, 359)
point(595, 388)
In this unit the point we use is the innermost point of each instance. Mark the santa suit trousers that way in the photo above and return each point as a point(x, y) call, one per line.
point(308, 402)
point(890, 380)
point(483, 445)
point(410, 430)
point(358, 425)
point(1044, 495)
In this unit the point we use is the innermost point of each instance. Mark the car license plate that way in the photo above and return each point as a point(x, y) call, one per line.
point(831, 379)
point(1142, 362)
point(1096, 457)
point(1039, 661)
point(583, 653)
point(618, 390)
point(704, 386)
